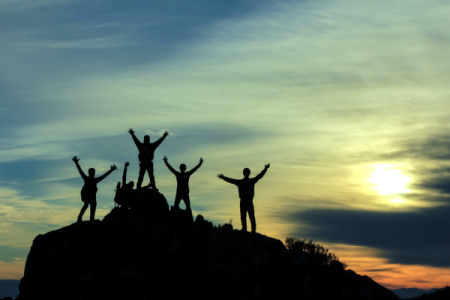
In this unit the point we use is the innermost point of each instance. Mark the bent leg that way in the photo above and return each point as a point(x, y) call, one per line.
point(93, 207)
point(141, 175)
point(83, 209)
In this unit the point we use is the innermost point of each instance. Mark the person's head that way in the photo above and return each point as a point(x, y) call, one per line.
point(246, 172)
point(183, 168)
point(91, 172)
point(146, 139)
point(131, 184)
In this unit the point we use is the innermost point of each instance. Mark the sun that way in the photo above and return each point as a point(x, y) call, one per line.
point(389, 180)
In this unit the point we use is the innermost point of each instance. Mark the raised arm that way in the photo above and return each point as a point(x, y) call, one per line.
point(263, 172)
point(229, 180)
point(124, 176)
point(75, 160)
point(100, 178)
point(196, 167)
point(158, 142)
point(136, 141)
point(168, 165)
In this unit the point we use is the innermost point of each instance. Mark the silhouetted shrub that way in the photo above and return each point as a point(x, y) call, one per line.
point(226, 226)
point(315, 252)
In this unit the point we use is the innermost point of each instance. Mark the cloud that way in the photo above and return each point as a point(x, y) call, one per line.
point(10, 254)
point(404, 237)
point(433, 146)
point(435, 180)
point(96, 43)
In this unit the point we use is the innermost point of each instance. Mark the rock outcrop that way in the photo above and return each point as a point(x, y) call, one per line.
point(165, 255)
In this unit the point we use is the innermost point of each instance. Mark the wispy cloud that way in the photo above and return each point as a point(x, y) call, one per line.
point(96, 43)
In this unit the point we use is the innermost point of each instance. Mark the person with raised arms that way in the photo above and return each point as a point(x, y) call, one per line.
point(146, 154)
point(89, 190)
point(182, 182)
point(246, 188)
point(124, 193)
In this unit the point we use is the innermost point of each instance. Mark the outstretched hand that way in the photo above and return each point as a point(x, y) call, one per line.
point(220, 176)
point(165, 158)
point(131, 131)
point(75, 159)
point(165, 134)
point(127, 164)
point(201, 160)
point(267, 166)
point(113, 167)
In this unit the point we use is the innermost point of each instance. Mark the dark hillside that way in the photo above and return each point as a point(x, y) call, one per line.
point(131, 256)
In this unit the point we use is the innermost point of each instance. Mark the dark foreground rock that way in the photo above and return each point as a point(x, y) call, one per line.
point(134, 257)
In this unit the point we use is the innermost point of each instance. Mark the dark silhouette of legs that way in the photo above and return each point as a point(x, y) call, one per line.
point(243, 215)
point(186, 200)
point(177, 201)
point(149, 168)
point(93, 207)
point(85, 206)
point(83, 209)
point(251, 216)
point(247, 207)
point(141, 175)
point(151, 175)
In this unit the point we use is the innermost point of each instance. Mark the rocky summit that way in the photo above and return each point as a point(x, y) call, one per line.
point(153, 252)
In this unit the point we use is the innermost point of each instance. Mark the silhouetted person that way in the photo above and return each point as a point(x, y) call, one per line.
point(246, 187)
point(146, 154)
point(124, 193)
point(182, 182)
point(89, 190)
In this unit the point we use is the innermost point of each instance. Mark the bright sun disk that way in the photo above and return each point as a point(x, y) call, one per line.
point(389, 181)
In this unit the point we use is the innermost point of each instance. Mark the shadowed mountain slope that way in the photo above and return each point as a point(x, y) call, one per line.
point(439, 294)
point(134, 255)
point(411, 292)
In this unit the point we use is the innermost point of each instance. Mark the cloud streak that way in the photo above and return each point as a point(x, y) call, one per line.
point(404, 237)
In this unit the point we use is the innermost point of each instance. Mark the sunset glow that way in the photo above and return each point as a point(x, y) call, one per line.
point(389, 181)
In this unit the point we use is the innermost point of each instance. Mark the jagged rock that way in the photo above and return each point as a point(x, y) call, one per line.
point(143, 203)
point(130, 257)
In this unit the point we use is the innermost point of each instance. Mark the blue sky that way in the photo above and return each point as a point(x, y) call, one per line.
point(323, 90)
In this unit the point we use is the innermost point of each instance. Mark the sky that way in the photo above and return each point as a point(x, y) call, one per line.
point(347, 100)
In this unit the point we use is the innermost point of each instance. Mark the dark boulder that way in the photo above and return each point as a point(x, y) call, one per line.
point(144, 203)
